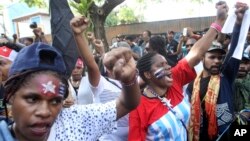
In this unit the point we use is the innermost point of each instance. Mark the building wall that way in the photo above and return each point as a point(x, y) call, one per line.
point(13, 11)
point(23, 25)
point(197, 24)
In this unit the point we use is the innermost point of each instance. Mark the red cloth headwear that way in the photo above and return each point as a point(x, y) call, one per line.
point(79, 63)
point(8, 53)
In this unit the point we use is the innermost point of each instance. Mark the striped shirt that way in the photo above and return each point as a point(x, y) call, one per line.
point(153, 121)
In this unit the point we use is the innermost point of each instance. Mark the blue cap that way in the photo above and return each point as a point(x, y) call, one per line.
point(38, 56)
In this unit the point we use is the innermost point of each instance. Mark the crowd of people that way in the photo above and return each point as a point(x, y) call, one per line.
point(150, 89)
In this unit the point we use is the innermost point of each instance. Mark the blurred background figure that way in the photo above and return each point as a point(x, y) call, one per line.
point(77, 74)
point(119, 38)
point(171, 47)
point(28, 41)
point(8, 53)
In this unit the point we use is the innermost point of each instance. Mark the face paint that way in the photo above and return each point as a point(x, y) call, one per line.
point(159, 73)
point(52, 88)
point(49, 87)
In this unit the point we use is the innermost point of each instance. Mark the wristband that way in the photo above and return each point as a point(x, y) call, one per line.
point(216, 26)
point(133, 81)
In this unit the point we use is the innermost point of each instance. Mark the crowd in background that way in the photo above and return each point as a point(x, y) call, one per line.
point(146, 87)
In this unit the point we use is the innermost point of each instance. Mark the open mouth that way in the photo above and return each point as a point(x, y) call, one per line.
point(40, 130)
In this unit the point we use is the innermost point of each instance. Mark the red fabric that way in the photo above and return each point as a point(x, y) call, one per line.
point(5, 51)
point(79, 63)
point(210, 108)
point(151, 109)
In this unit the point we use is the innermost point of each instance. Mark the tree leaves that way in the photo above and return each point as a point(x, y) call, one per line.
point(38, 3)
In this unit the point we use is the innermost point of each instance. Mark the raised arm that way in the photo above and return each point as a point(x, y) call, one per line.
point(202, 45)
point(180, 44)
point(124, 70)
point(79, 26)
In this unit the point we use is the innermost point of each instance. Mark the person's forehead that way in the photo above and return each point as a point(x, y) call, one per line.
point(47, 84)
point(145, 33)
point(158, 59)
point(170, 33)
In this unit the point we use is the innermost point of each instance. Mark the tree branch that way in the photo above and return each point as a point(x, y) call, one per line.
point(109, 5)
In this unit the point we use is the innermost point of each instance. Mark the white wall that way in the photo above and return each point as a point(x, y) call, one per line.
point(26, 31)
point(46, 24)
point(7, 23)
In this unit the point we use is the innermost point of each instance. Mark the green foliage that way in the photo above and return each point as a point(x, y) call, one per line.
point(112, 19)
point(82, 7)
point(126, 15)
point(38, 3)
point(1, 7)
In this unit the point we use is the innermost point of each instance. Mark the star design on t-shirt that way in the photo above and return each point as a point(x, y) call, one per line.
point(49, 87)
point(166, 102)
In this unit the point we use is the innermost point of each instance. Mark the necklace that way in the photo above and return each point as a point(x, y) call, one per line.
point(167, 103)
point(164, 100)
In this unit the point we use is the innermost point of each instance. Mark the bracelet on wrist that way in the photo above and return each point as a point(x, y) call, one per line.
point(131, 82)
point(216, 26)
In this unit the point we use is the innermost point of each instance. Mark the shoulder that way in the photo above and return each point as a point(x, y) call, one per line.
point(148, 103)
point(5, 134)
point(80, 112)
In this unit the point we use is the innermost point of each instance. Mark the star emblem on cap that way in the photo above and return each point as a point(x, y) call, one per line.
point(49, 87)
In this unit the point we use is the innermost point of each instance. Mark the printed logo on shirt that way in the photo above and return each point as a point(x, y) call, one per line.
point(223, 114)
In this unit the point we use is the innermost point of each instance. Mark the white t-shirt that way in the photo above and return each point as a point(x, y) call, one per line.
point(108, 90)
point(84, 95)
point(84, 122)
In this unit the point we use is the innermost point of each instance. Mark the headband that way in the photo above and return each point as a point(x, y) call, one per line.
point(8, 53)
point(79, 63)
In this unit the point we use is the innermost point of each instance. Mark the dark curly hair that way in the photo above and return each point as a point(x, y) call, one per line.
point(15, 82)
point(144, 64)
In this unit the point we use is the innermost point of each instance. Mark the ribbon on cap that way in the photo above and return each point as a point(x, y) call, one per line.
point(8, 53)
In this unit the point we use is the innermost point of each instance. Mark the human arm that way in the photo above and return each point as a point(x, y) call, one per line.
point(180, 44)
point(191, 34)
point(79, 26)
point(6, 39)
point(99, 47)
point(121, 64)
point(201, 46)
point(40, 35)
point(231, 64)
